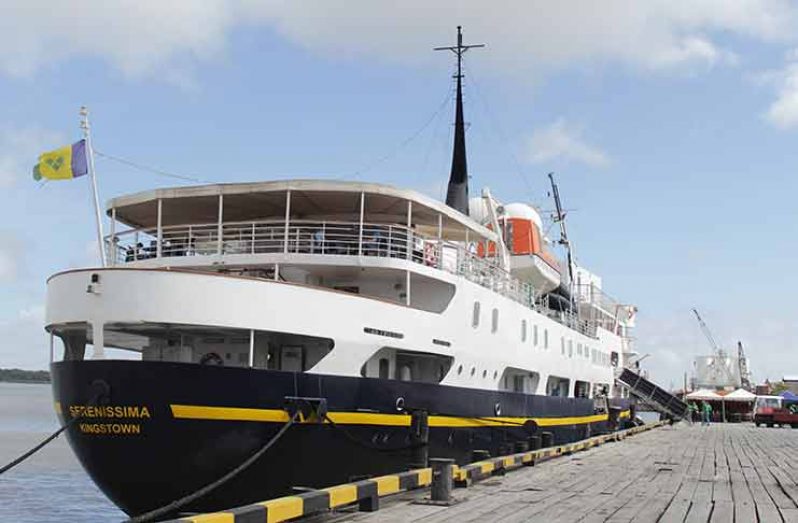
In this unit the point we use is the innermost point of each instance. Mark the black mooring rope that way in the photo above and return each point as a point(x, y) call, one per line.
point(174, 505)
point(47, 440)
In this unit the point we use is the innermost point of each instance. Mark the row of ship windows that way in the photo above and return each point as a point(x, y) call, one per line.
point(595, 356)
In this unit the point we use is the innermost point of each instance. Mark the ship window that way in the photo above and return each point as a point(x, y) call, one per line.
point(579, 349)
point(546, 339)
point(535, 335)
point(494, 321)
point(523, 331)
point(519, 380)
point(557, 386)
point(475, 316)
point(570, 348)
point(213, 345)
point(581, 389)
point(396, 364)
point(460, 369)
point(562, 346)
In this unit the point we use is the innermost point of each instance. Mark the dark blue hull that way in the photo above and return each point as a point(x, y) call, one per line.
point(163, 430)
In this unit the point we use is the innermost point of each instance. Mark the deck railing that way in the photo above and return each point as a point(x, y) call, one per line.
point(328, 238)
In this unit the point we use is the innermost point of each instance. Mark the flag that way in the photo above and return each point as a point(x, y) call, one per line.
point(62, 164)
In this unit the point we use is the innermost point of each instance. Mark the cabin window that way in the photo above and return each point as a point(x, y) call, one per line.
point(385, 366)
point(212, 345)
point(557, 386)
point(494, 321)
point(546, 339)
point(562, 346)
point(579, 349)
point(475, 315)
point(570, 348)
point(535, 335)
point(396, 364)
point(523, 331)
point(581, 389)
point(519, 380)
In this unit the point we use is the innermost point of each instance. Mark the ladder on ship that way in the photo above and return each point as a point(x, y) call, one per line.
point(652, 395)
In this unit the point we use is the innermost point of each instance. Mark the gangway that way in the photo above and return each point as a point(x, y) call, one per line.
point(652, 395)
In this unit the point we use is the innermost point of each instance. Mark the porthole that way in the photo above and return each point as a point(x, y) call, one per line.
point(400, 403)
point(497, 409)
point(484, 374)
point(460, 369)
point(473, 370)
point(495, 374)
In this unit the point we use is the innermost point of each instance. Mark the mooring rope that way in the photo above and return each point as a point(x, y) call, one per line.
point(48, 439)
point(178, 503)
point(354, 439)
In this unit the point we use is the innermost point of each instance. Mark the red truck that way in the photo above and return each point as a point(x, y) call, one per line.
point(769, 411)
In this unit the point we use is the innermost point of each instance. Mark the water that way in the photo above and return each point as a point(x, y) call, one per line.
point(51, 486)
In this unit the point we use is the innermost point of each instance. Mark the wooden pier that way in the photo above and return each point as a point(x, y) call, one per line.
point(681, 473)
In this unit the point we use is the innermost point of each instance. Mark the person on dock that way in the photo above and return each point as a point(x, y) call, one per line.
point(706, 409)
point(692, 408)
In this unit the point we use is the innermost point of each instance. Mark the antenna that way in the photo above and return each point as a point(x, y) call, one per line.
point(457, 193)
point(559, 217)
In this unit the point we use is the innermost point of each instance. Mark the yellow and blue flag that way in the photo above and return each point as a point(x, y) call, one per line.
point(62, 164)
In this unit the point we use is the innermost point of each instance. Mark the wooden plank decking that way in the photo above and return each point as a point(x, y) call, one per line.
point(683, 473)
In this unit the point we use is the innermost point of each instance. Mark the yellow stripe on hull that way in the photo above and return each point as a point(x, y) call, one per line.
point(372, 418)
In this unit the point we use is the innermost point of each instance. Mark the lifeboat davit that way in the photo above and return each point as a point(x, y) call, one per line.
point(530, 258)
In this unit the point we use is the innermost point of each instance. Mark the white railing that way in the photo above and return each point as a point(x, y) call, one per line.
point(327, 238)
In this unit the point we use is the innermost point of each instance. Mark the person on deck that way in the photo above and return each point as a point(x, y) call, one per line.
point(707, 411)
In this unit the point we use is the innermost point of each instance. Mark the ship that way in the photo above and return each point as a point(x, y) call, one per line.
point(304, 327)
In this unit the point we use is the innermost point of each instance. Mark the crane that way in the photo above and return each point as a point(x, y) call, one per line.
point(719, 366)
point(745, 376)
point(708, 334)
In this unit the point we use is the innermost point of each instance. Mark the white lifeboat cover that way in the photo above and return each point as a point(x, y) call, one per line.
point(525, 212)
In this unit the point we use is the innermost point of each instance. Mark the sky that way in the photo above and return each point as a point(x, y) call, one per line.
point(671, 126)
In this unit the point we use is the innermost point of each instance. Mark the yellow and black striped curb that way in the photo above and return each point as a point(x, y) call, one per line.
point(368, 492)
point(463, 476)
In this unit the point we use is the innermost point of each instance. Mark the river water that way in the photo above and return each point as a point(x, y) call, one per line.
point(51, 486)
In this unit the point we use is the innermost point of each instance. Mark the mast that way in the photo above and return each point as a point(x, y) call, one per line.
point(457, 192)
point(564, 241)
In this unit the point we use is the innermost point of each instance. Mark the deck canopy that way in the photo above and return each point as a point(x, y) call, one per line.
point(309, 200)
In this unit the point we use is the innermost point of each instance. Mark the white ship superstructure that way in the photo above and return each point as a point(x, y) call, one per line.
point(339, 278)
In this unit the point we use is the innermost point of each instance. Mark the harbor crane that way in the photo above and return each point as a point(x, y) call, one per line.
point(719, 367)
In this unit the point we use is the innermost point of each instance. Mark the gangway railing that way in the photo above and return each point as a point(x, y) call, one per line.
point(652, 395)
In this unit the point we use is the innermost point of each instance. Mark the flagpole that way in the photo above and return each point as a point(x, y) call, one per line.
point(84, 124)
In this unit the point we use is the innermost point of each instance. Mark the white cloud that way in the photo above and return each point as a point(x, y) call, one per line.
point(563, 142)
point(19, 149)
point(783, 112)
point(166, 38)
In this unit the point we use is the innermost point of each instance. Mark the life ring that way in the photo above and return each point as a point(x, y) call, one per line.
point(211, 358)
point(430, 256)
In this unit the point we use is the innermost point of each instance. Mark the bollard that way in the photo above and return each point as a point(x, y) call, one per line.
point(479, 455)
point(546, 439)
point(442, 479)
point(521, 446)
point(419, 438)
point(534, 442)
